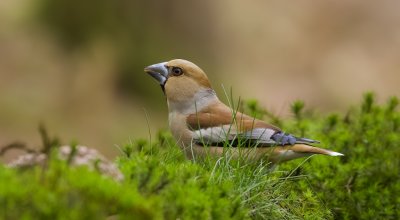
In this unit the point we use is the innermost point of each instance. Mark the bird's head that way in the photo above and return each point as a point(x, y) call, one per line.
point(182, 81)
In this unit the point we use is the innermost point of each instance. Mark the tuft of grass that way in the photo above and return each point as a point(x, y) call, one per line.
point(217, 188)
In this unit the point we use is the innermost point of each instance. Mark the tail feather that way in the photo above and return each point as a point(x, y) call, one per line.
point(303, 148)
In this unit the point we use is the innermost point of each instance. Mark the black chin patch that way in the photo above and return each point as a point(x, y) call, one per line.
point(163, 85)
point(163, 88)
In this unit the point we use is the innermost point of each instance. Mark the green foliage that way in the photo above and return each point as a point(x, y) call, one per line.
point(160, 183)
point(266, 193)
point(61, 192)
point(182, 188)
point(364, 184)
point(214, 188)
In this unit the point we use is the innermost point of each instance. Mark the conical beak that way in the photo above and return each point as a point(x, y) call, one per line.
point(159, 72)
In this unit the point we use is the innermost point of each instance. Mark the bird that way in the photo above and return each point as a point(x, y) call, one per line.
point(204, 126)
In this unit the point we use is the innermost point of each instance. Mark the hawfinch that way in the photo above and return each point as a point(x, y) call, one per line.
point(203, 125)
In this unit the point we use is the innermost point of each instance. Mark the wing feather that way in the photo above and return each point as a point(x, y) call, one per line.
point(219, 126)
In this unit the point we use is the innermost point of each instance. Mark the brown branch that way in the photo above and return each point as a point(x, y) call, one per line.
point(16, 145)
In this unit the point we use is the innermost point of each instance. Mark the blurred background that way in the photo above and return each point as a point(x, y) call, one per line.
point(77, 66)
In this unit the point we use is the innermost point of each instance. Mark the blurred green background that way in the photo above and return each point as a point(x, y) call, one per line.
point(77, 66)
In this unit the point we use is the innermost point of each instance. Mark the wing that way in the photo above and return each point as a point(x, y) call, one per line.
point(220, 127)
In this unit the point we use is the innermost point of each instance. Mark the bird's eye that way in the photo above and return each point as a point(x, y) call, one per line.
point(176, 71)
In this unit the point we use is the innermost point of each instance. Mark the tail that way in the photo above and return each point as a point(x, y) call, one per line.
point(307, 149)
point(290, 152)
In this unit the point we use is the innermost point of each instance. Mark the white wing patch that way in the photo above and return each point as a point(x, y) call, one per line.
point(215, 134)
point(228, 132)
point(261, 135)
